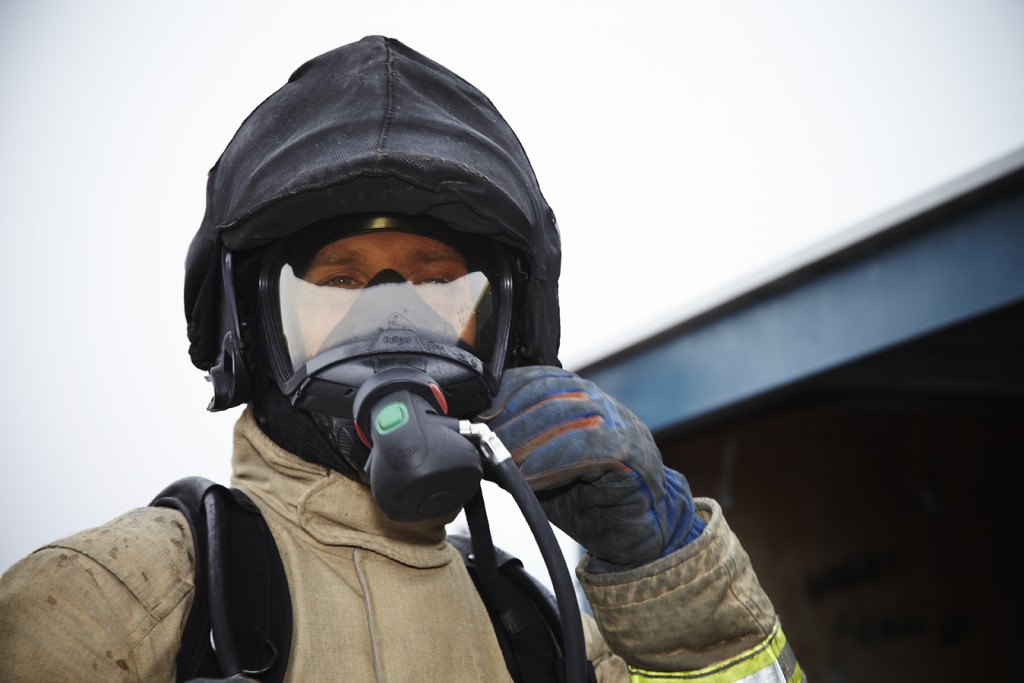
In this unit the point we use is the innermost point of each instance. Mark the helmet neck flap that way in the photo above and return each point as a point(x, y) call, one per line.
point(321, 439)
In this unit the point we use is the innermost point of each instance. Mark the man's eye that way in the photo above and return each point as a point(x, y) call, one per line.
point(438, 276)
point(343, 281)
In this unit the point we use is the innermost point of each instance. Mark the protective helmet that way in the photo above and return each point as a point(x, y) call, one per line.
point(369, 130)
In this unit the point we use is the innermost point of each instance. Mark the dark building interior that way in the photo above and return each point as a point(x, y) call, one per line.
point(879, 507)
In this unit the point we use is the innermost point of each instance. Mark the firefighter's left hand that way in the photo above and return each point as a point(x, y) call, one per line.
point(594, 466)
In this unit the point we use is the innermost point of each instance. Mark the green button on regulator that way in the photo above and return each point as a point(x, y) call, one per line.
point(391, 417)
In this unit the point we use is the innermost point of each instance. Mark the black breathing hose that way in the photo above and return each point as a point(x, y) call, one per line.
point(512, 480)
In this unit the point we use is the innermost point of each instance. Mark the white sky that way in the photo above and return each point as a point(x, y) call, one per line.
point(684, 146)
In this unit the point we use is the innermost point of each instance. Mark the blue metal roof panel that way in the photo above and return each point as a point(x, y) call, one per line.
point(957, 262)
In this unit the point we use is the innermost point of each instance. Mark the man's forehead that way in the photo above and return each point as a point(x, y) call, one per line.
point(375, 245)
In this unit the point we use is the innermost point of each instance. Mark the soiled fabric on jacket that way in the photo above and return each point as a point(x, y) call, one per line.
point(373, 600)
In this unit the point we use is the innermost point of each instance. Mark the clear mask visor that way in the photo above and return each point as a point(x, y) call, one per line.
point(370, 288)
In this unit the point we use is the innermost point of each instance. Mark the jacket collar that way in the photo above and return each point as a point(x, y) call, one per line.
point(333, 509)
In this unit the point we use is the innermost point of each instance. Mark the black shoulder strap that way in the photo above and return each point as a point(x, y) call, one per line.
point(241, 618)
point(524, 614)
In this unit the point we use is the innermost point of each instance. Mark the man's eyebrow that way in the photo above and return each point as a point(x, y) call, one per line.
point(431, 255)
point(344, 257)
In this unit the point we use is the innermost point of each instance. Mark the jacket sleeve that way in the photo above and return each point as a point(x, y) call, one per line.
point(698, 615)
point(104, 605)
point(608, 666)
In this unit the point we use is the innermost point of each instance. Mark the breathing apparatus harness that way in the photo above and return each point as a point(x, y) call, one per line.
point(402, 379)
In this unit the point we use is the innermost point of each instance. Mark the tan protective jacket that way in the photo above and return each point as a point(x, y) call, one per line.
point(372, 600)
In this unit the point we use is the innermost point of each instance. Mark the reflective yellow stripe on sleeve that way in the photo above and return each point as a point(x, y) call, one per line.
point(772, 661)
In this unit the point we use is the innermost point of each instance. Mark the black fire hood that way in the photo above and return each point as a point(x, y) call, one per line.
point(375, 127)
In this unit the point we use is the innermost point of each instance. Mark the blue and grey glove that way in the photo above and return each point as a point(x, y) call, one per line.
point(594, 466)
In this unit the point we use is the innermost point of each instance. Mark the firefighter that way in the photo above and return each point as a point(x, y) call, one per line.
point(376, 223)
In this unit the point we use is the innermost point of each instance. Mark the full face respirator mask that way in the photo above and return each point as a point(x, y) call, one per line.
point(391, 329)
